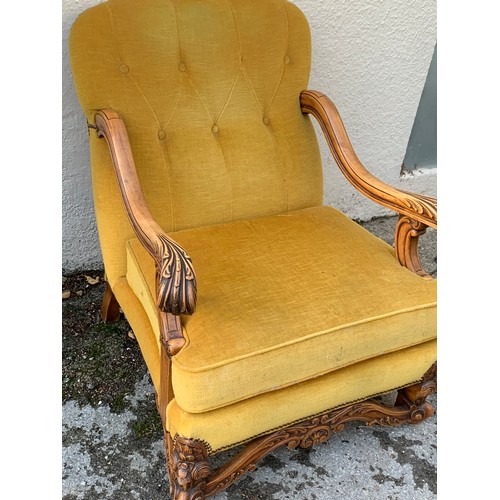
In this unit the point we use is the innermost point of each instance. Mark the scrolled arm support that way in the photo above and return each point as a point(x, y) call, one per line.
point(408, 231)
point(176, 279)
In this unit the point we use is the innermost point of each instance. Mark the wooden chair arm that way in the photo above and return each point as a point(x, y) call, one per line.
point(416, 212)
point(417, 207)
point(176, 279)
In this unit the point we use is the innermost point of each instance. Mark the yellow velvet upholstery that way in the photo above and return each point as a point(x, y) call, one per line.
point(209, 92)
point(270, 411)
point(222, 428)
point(283, 299)
point(299, 309)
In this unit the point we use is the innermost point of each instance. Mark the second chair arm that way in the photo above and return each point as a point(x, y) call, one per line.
point(420, 208)
point(176, 280)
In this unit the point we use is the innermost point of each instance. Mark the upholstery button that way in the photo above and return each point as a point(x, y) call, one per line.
point(286, 60)
point(124, 68)
point(215, 129)
point(162, 135)
point(182, 67)
point(266, 120)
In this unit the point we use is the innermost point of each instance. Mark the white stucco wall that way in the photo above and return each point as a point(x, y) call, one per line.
point(370, 56)
point(80, 245)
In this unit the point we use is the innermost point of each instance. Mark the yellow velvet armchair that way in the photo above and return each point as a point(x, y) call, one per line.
point(265, 318)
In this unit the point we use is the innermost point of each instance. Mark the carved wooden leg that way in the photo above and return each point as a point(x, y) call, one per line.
point(110, 310)
point(188, 468)
point(415, 396)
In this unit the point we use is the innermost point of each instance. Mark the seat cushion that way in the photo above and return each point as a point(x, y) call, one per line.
point(284, 299)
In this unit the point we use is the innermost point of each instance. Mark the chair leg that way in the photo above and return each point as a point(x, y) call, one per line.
point(416, 395)
point(187, 467)
point(110, 310)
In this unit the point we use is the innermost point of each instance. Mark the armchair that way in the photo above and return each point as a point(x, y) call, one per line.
point(246, 294)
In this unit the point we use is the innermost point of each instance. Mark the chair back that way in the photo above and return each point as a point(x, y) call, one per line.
point(209, 93)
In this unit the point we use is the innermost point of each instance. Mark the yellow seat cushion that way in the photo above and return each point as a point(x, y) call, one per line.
point(284, 299)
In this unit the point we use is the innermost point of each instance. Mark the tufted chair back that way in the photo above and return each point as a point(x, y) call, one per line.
point(209, 93)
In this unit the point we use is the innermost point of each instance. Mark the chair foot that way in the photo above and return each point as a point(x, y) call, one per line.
point(188, 467)
point(110, 310)
point(416, 395)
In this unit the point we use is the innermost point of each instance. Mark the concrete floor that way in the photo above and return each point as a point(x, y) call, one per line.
point(112, 439)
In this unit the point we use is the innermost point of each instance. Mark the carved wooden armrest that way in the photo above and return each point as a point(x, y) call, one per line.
point(175, 276)
point(417, 212)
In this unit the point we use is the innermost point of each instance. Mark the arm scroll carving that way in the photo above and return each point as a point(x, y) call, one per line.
point(418, 207)
point(406, 238)
point(176, 277)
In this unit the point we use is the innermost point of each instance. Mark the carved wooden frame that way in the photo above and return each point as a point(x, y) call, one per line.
point(187, 459)
point(416, 211)
point(175, 275)
point(190, 474)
